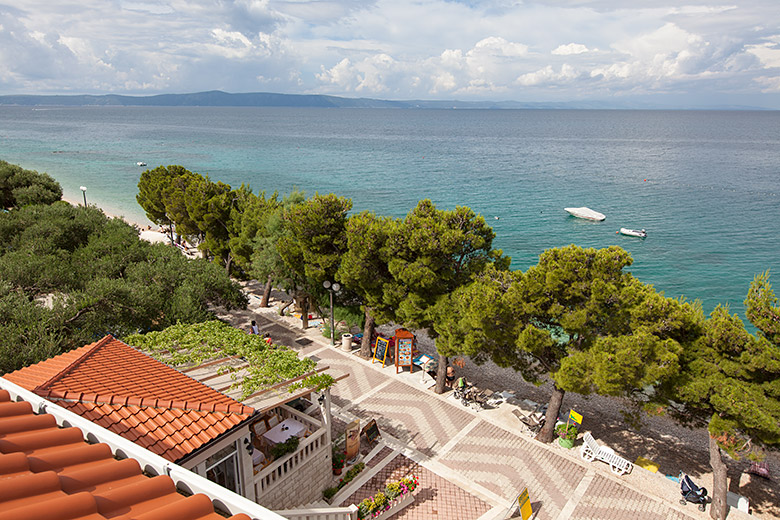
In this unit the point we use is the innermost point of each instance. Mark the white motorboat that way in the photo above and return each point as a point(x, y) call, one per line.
point(585, 213)
point(641, 233)
point(140, 163)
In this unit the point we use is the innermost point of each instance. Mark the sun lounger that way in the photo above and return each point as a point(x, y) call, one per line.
point(531, 422)
point(591, 451)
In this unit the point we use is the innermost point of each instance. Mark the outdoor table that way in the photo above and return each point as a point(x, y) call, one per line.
point(284, 430)
point(421, 360)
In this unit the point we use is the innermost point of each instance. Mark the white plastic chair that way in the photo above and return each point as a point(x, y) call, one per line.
point(591, 451)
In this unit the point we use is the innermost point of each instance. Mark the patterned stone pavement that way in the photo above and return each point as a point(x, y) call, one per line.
point(411, 417)
point(435, 497)
point(361, 381)
point(464, 458)
point(505, 463)
point(608, 500)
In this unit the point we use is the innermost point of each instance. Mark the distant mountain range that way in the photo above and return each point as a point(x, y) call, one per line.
point(216, 98)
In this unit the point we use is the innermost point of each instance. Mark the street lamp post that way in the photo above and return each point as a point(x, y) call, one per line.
point(331, 287)
point(84, 192)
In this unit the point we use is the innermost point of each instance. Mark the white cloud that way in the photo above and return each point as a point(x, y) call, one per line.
point(402, 49)
point(497, 46)
point(548, 75)
point(768, 53)
point(569, 49)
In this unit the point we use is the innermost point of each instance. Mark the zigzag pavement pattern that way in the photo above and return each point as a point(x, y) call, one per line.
point(458, 444)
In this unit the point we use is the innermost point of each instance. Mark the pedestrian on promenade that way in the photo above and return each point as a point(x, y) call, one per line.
point(253, 328)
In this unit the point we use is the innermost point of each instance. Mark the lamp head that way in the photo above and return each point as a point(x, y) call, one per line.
point(326, 284)
point(83, 188)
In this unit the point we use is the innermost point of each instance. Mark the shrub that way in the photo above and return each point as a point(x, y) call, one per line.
point(281, 449)
point(566, 431)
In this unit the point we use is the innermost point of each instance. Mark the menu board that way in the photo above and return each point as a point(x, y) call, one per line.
point(371, 430)
point(380, 350)
point(403, 354)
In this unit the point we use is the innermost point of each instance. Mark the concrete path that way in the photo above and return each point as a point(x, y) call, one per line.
point(482, 454)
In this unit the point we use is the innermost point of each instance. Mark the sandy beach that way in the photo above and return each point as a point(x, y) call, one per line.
point(147, 232)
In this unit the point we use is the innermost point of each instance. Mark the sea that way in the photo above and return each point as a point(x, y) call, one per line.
point(704, 184)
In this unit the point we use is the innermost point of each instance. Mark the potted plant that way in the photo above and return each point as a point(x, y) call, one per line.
point(338, 458)
point(283, 448)
point(566, 434)
point(395, 496)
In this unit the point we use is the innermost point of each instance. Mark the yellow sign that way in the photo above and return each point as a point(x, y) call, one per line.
point(524, 502)
point(575, 417)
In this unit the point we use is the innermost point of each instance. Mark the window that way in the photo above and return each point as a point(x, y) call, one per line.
point(222, 468)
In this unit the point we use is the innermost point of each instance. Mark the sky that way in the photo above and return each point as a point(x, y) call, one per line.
point(696, 53)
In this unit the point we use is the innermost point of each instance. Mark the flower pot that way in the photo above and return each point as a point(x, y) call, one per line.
point(337, 471)
point(396, 505)
point(566, 443)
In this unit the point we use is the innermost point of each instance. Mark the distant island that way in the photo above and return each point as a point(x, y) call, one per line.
point(216, 98)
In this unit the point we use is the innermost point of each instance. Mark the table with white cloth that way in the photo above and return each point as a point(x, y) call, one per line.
point(284, 430)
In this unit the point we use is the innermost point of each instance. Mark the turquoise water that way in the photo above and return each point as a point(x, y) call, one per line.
point(703, 184)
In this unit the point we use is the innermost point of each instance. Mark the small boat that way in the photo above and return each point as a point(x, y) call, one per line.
point(585, 213)
point(140, 163)
point(641, 233)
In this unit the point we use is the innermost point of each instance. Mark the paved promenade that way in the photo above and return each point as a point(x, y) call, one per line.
point(472, 465)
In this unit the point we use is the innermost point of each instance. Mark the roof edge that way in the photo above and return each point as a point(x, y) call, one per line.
point(76, 362)
point(151, 463)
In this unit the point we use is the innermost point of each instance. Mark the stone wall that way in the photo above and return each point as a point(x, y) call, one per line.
point(301, 486)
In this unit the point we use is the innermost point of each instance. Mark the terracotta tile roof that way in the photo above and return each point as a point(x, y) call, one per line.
point(135, 396)
point(52, 473)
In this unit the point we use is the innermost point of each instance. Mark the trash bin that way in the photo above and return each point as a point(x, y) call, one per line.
point(346, 342)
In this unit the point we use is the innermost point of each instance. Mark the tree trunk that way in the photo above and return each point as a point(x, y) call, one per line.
point(228, 263)
point(266, 292)
point(441, 373)
point(368, 333)
point(305, 312)
point(720, 484)
point(547, 432)
point(283, 307)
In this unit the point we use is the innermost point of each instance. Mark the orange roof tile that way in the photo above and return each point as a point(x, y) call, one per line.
point(49, 472)
point(135, 396)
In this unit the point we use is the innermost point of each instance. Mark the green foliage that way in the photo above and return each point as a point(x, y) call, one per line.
point(432, 253)
point(186, 344)
point(151, 191)
point(28, 333)
point(730, 379)
point(250, 219)
point(348, 477)
point(338, 457)
point(380, 501)
point(98, 277)
point(266, 259)
point(20, 187)
point(280, 449)
point(762, 308)
point(315, 237)
point(566, 431)
point(364, 266)
point(330, 492)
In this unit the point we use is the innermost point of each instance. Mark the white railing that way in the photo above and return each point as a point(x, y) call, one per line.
point(321, 513)
point(185, 480)
point(273, 474)
point(288, 412)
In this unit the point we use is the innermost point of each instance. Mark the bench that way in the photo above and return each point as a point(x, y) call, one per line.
point(591, 451)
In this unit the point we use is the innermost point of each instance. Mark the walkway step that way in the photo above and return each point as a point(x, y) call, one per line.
point(379, 462)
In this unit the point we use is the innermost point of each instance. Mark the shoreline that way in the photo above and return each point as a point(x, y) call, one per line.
point(145, 231)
